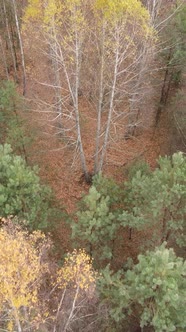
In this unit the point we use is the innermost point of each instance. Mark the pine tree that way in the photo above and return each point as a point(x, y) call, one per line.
point(21, 193)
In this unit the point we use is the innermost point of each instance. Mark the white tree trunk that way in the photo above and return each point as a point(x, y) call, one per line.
point(57, 82)
point(100, 102)
point(111, 106)
point(76, 106)
point(21, 47)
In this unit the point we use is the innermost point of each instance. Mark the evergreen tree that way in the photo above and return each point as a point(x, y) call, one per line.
point(153, 290)
point(96, 225)
point(157, 200)
point(21, 193)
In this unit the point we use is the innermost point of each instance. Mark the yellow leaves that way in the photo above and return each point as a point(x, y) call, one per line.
point(45, 12)
point(120, 7)
point(33, 10)
point(75, 13)
point(10, 326)
point(69, 17)
point(111, 6)
point(77, 271)
point(52, 12)
point(117, 11)
point(20, 268)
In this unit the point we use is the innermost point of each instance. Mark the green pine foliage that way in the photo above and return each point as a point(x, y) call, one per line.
point(149, 200)
point(157, 285)
point(158, 200)
point(97, 222)
point(153, 291)
point(137, 166)
point(114, 294)
point(21, 193)
point(96, 225)
point(108, 187)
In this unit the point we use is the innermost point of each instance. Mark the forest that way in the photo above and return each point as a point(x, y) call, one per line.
point(92, 165)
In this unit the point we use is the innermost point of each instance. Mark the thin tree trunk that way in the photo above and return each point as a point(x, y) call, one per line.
point(21, 47)
point(57, 78)
point(164, 91)
point(76, 105)
point(73, 90)
point(153, 8)
point(58, 310)
point(104, 148)
point(72, 309)
point(100, 102)
point(16, 317)
point(18, 325)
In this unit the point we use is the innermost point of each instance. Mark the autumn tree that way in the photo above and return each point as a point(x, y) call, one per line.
point(67, 20)
point(38, 295)
point(97, 57)
point(21, 270)
point(124, 38)
point(75, 294)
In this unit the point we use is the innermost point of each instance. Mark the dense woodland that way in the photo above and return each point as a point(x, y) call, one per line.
point(92, 165)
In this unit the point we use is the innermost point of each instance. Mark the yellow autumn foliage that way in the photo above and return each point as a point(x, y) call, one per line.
point(117, 7)
point(57, 10)
point(20, 271)
point(77, 271)
point(122, 12)
point(33, 10)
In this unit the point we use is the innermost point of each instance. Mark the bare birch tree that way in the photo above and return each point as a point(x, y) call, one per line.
point(69, 55)
point(121, 40)
point(96, 49)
